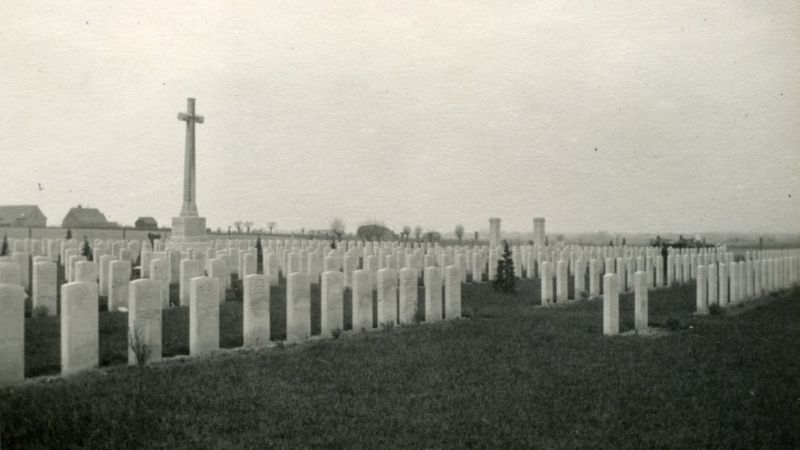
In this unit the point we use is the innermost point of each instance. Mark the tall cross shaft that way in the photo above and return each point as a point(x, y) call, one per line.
point(189, 207)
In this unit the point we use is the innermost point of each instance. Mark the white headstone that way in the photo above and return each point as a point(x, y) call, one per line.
point(255, 305)
point(298, 307)
point(144, 321)
point(452, 292)
point(433, 294)
point(45, 287)
point(387, 296)
point(640, 285)
point(12, 334)
point(331, 302)
point(80, 342)
point(203, 315)
point(610, 305)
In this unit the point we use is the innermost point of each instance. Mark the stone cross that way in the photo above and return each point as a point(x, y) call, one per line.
point(189, 207)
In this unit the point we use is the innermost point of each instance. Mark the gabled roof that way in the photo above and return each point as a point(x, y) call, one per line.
point(11, 213)
point(87, 215)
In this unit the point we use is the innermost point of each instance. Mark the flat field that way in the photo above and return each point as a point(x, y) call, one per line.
point(508, 374)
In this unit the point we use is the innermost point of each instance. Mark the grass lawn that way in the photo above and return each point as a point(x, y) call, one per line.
point(510, 375)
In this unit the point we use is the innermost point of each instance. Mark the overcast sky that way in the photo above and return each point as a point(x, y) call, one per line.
point(618, 116)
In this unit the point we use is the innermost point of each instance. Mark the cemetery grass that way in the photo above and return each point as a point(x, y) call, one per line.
point(506, 375)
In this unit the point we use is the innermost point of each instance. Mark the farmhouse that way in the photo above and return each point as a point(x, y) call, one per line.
point(146, 223)
point(80, 217)
point(22, 216)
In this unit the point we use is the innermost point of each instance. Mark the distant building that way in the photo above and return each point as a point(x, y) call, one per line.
point(146, 223)
point(22, 216)
point(80, 217)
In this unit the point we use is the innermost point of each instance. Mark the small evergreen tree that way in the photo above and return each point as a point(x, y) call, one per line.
point(86, 250)
point(504, 280)
point(4, 246)
point(69, 234)
point(333, 244)
point(259, 253)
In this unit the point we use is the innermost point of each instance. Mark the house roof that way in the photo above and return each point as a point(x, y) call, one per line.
point(11, 213)
point(87, 215)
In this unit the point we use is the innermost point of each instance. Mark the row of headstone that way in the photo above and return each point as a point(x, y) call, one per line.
point(145, 300)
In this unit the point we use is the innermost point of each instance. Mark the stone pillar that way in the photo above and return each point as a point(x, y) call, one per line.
point(44, 292)
point(387, 296)
point(640, 286)
point(538, 231)
point(80, 342)
point(144, 321)
point(331, 302)
point(701, 298)
point(255, 308)
point(433, 294)
point(452, 293)
point(594, 279)
point(298, 307)
point(711, 270)
point(203, 315)
point(12, 333)
point(407, 296)
point(561, 282)
point(610, 305)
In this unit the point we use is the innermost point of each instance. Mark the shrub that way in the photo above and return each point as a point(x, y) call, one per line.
point(583, 296)
point(139, 347)
point(39, 311)
point(673, 324)
point(715, 310)
point(504, 280)
point(387, 326)
point(336, 333)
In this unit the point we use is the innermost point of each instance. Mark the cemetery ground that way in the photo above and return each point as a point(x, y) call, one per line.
point(508, 374)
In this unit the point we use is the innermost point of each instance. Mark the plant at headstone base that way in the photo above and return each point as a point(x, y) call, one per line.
point(673, 324)
point(336, 333)
point(387, 326)
point(419, 316)
point(583, 296)
point(139, 348)
point(280, 345)
point(86, 250)
point(4, 246)
point(69, 234)
point(504, 280)
point(715, 310)
point(39, 311)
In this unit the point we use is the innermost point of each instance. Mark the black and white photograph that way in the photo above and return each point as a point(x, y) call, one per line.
point(406, 224)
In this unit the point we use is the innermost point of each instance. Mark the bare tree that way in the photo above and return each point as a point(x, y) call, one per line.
point(270, 225)
point(417, 231)
point(337, 227)
point(247, 225)
point(459, 232)
point(238, 225)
